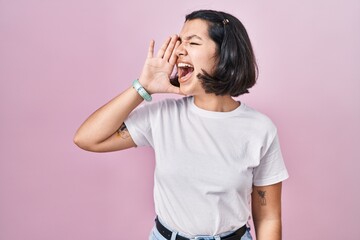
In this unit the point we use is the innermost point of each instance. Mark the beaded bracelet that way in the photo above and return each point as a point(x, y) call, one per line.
point(141, 90)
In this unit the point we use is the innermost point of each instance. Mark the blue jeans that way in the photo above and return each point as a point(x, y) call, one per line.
point(155, 235)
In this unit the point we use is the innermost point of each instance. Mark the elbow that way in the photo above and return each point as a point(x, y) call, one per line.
point(79, 141)
point(82, 143)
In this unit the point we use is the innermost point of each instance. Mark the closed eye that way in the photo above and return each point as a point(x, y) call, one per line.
point(193, 43)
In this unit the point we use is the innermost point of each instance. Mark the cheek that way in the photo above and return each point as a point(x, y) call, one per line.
point(204, 58)
point(209, 58)
point(208, 63)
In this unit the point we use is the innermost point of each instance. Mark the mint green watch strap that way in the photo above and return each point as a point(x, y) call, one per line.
point(141, 90)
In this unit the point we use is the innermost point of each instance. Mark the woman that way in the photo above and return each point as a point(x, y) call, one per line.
point(214, 155)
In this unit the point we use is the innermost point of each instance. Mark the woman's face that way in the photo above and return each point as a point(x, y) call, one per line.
point(197, 52)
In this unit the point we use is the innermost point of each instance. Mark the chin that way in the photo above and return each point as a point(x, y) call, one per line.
point(185, 91)
point(189, 91)
point(191, 87)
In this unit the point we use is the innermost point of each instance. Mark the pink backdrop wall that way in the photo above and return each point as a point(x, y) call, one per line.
point(60, 60)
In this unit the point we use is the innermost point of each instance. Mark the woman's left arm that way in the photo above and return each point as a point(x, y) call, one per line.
point(266, 211)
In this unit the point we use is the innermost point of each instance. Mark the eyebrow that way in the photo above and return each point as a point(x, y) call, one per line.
point(190, 37)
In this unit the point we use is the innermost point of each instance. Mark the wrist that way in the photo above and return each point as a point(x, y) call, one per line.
point(141, 90)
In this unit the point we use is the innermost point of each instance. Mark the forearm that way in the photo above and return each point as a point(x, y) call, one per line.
point(105, 121)
point(266, 211)
point(268, 229)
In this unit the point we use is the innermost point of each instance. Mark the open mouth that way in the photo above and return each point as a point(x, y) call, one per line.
point(185, 71)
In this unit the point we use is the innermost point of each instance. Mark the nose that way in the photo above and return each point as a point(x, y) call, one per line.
point(180, 50)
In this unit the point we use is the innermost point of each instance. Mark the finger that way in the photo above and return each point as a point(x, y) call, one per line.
point(162, 50)
point(174, 56)
point(170, 47)
point(151, 49)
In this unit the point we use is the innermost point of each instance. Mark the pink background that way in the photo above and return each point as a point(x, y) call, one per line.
point(60, 60)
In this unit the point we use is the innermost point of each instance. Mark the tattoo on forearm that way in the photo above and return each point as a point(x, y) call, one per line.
point(262, 197)
point(123, 131)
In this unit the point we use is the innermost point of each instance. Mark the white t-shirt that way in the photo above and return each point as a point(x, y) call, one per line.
point(206, 162)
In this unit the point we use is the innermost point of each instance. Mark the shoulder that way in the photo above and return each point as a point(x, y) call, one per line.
point(163, 106)
point(260, 120)
point(168, 104)
point(175, 102)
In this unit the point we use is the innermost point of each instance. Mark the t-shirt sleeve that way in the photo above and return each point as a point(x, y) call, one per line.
point(139, 126)
point(272, 168)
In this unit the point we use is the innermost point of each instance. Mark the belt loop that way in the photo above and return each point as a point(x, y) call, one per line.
point(173, 235)
point(217, 237)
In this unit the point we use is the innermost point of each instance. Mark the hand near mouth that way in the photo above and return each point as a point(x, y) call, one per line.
point(155, 76)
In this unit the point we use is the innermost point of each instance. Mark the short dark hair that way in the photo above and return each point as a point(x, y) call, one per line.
point(236, 70)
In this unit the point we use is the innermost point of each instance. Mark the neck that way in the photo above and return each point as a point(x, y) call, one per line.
point(211, 102)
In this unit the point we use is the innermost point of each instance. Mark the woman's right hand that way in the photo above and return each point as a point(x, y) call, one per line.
point(155, 76)
point(99, 132)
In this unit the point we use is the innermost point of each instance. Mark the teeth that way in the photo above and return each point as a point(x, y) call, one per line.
point(184, 65)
